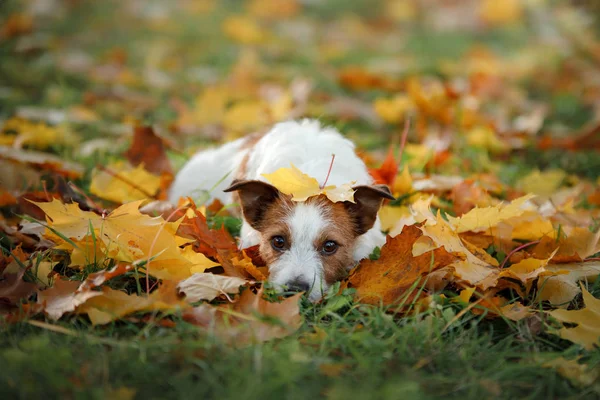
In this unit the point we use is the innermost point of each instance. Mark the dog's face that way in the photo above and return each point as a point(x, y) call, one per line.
point(308, 245)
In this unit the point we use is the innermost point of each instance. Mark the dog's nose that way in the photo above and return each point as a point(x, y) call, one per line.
point(298, 286)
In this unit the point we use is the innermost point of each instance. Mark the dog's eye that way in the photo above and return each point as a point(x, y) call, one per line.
point(278, 242)
point(329, 247)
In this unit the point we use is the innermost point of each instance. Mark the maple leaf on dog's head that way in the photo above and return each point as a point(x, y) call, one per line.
point(587, 332)
point(390, 278)
point(300, 186)
point(294, 182)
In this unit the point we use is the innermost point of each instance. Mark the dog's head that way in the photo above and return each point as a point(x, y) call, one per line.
point(308, 245)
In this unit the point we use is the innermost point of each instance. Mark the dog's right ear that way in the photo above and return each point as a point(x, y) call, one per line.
point(255, 197)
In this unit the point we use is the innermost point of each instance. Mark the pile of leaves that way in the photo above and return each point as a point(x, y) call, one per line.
point(86, 233)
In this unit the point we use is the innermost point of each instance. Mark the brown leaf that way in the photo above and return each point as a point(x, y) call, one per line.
point(63, 297)
point(251, 319)
point(206, 286)
point(13, 288)
point(390, 277)
point(208, 241)
point(149, 149)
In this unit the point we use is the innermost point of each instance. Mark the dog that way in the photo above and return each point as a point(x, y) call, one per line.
point(307, 245)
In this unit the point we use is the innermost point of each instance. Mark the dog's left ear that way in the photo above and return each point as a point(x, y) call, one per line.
point(368, 200)
point(255, 197)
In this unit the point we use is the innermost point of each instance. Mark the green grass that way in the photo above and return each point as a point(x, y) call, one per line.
point(359, 351)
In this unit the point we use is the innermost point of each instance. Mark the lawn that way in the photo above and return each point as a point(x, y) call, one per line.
point(502, 101)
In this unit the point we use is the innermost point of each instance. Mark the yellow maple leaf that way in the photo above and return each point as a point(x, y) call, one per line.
point(111, 304)
point(301, 186)
point(562, 287)
point(470, 268)
point(526, 270)
point(587, 331)
point(124, 183)
point(200, 261)
point(125, 235)
point(481, 219)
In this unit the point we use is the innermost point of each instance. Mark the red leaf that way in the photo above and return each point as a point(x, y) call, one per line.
point(388, 170)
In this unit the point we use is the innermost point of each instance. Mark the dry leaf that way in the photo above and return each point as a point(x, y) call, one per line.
point(390, 278)
point(148, 149)
point(587, 331)
point(121, 183)
point(110, 305)
point(208, 286)
point(301, 186)
point(250, 320)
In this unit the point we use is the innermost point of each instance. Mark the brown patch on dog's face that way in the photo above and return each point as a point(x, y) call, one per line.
point(343, 232)
point(339, 229)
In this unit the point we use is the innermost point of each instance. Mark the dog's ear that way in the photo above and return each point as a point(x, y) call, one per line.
point(255, 198)
point(368, 200)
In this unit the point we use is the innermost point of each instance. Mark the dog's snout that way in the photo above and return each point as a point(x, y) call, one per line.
point(298, 286)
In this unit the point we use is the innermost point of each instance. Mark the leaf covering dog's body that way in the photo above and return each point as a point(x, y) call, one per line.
point(307, 245)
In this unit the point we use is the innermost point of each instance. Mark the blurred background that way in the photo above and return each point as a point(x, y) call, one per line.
point(479, 79)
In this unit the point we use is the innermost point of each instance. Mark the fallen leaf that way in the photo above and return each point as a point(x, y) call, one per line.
point(110, 305)
point(388, 170)
point(579, 374)
point(587, 331)
point(468, 267)
point(122, 184)
point(389, 279)
point(208, 241)
point(63, 297)
point(13, 288)
point(209, 286)
point(561, 288)
point(148, 149)
point(482, 219)
point(251, 319)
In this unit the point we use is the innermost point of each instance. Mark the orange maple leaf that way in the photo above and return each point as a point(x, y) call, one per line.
point(389, 279)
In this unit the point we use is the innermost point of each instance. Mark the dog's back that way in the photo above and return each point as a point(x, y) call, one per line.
point(305, 144)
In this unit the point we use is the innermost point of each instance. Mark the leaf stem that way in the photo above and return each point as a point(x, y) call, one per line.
point(329, 171)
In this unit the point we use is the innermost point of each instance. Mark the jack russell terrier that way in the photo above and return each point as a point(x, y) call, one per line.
point(307, 245)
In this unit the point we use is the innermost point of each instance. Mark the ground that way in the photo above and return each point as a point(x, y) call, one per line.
point(502, 94)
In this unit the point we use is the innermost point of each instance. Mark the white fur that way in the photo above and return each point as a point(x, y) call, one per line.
point(302, 261)
point(305, 144)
